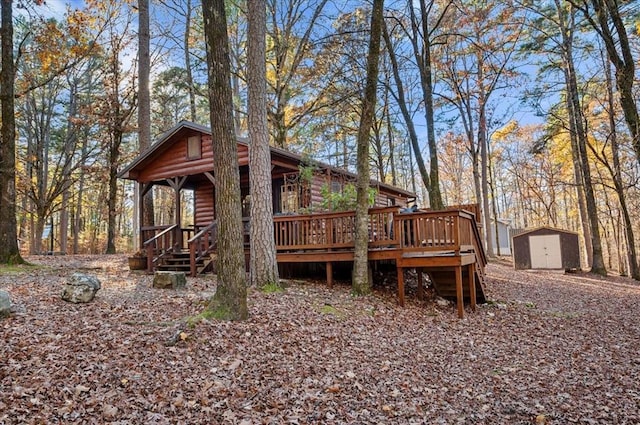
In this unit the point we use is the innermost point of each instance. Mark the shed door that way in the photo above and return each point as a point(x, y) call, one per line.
point(545, 252)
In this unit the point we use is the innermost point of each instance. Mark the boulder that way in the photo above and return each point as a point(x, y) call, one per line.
point(5, 304)
point(166, 279)
point(80, 288)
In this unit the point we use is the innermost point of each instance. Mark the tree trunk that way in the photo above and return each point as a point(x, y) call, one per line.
point(423, 57)
point(632, 258)
point(360, 283)
point(263, 267)
point(144, 99)
point(70, 144)
point(187, 62)
point(608, 23)
point(577, 125)
point(112, 199)
point(9, 251)
point(597, 265)
point(494, 203)
point(406, 115)
point(484, 166)
point(392, 154)
point(77, 221)
point(230, 299)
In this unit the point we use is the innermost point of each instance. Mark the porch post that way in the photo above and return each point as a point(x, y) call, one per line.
point(143, 189)
point(419, 271)
point(177, 184)
point(459, 292)
point(178, 237)
point(400, 273)
point(472, 286)
point(140, 222)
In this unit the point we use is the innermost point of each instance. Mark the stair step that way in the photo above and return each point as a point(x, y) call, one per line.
point(175, 267)
point(177, 260)
point(445, 284)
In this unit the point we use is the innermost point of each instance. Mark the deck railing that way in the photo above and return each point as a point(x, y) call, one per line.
point(447, 230)
point(452, 230)
point(332, 230)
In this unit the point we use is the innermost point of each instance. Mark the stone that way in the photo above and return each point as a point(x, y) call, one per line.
point(5, 304)
point(167, 279)
point(442, 302)
point(80, 288)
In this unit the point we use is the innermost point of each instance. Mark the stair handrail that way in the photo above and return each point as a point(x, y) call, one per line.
point(150, 245)
point(202, 232)
point(193, 244)
point(479, 247)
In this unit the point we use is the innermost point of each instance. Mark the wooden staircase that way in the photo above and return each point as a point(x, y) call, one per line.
point(444, 282)
point(180, 261)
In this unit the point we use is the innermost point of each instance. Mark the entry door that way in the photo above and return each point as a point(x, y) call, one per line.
point(545, 252)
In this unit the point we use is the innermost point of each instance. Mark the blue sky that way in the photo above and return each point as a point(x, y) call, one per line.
point(58, 7)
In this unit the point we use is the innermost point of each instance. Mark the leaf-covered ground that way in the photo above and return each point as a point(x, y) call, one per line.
point(549, 348)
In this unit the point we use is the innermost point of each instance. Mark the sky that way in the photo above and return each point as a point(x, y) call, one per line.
point(57, 8)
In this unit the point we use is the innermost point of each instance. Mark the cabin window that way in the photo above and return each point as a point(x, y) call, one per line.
point(194, 147)
point(295, 194)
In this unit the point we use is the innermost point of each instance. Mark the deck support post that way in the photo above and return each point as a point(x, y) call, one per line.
point(400, 286)
point(329, 274)
point(419, 272)
point(459, 292)
point(472, 286)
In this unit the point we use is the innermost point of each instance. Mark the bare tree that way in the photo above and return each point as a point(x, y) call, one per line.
point(606, 18)
point(117, 106)
point(291, 27)
point(476, 63)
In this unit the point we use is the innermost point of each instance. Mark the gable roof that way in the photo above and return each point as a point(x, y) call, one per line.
point(551, 229)
point(167, 139)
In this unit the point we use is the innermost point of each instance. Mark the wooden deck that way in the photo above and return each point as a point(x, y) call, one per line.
point(446, 245)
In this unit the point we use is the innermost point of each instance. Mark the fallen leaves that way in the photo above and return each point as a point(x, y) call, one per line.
point(550, 349)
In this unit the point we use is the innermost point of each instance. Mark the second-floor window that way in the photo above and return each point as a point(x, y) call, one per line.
point(194, 147)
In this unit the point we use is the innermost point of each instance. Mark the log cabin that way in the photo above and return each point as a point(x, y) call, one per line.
point(443, 244)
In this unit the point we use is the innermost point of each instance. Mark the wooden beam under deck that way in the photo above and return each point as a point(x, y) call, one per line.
point(445, 261)
point(427, 261)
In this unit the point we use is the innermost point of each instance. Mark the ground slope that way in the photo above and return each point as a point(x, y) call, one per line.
point(550, 348)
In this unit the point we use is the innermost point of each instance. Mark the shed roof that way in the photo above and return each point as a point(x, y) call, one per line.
point(553, 229)
point(167, 139)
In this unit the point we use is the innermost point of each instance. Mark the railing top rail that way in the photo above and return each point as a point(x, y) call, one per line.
point(376, 210)
point(202, 232)
point(428, 213)
point(164, 232)
point(161, 227)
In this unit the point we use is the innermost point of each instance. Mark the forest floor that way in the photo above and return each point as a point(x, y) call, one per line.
point(548, 348)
